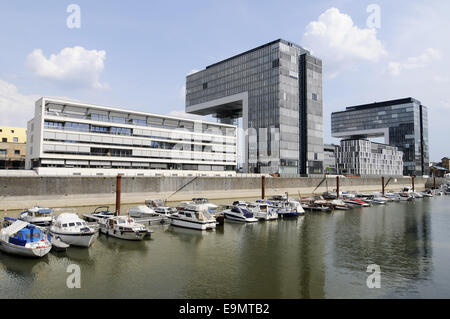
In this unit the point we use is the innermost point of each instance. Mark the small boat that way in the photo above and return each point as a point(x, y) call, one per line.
point(204, 201)
point(405, 196)
point(72, 230)
point(339, 204)
point(37, 216)
point(194, 217)
point(123, 227)
point(379, 200)
point(160, 207)
point(262, 211)
point(24, 239)
point(239, 214)
point(356, 202)
point(142, 212)
point(102, 212)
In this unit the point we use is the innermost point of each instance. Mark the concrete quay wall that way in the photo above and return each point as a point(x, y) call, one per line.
point(24, 192)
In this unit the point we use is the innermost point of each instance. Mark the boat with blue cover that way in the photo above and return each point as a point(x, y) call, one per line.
point(24, 239)
point(239, 214)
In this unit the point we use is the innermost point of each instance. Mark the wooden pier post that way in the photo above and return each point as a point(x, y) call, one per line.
point(412, 183)
point(337, 186)
point(118, 193)
point(382, 185)
point(263, 187)
point(434, 177)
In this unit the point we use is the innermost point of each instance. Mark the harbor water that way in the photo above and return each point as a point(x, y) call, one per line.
point(319, 255)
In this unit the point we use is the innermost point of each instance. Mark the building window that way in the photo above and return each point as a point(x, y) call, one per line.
point(3, 152)
point(17, 152)
point(15, 139)
point(314, 96)
point(4, 139)
point(205, 85)
point(12, 131)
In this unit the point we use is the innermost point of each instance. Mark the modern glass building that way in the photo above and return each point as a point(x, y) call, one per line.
point(277, 91)
point(82, 137)
point(403, 123)
point(365, 158)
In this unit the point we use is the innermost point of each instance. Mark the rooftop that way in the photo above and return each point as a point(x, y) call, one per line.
point(379, 104)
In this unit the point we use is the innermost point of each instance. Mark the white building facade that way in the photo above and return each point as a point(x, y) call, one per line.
point(84, 139)
point(366, 158)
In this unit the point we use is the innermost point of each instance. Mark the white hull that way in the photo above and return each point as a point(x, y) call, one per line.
point(39, 221)
point(266, 217)
point(80, 240)
point(127, 235)
point(24, 251)
point(240, 219)
point(192, 225)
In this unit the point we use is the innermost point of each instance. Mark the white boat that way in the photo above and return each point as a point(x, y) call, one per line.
point(262, 211)
point(194, 217)
point(102, 212)
point(204, 201)
point(24, 239)
point(339, 204)
point(37, 216)
point(72, 230)
point(239, 214)
point(123, 227)
point(160, 207)
point(142, 212)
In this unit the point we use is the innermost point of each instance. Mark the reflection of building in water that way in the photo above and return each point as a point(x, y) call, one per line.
point(396, 237)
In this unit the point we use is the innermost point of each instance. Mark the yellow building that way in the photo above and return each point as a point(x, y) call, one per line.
point(12, 147)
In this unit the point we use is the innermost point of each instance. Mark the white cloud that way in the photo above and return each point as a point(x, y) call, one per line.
point(75, 66)
point(193, 71)
point(16, 108)
point(338, 41)
point(183, 92)
point(417, 62)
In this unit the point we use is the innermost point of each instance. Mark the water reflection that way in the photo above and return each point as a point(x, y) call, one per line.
point(315, 256)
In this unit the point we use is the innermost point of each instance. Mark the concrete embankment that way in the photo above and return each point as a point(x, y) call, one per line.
point(24, 192)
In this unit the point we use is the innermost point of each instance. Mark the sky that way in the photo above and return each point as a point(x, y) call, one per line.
point(136, 54)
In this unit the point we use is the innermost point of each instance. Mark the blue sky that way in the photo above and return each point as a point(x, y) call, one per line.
point(136, 54)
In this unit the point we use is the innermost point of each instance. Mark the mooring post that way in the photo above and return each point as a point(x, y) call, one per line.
point(412, 183)
point(337, 186)
point(382, 185)
point(434, 178)
point(118, 191)
point(263, 187)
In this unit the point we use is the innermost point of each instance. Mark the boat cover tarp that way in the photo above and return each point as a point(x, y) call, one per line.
point(14, 228)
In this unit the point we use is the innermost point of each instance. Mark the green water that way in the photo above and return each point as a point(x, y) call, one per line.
point(316, 256)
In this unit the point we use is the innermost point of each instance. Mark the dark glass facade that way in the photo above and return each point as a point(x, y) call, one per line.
point(278, 90)
point(403, 123)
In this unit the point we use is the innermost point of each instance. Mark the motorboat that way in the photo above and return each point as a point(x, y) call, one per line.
point(142, 212)
point(392, 197)
point(160, 207)
point(102, 212)
point(239, 214)
point(123, 227)
point(416, 195)
point(240, 203)
point(24, 239)
point(379, 200)
point(339, 204)
point(356, 202)
point(262, 211)
point(72, 230)
point(405, 196)
point(37, 216)
point(427, 193)
point(204, 201)
point(194, 217)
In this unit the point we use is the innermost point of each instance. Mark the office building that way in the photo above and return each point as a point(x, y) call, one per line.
point(66, 134)
point(403, 123)
point(365, 158)
point(329, 159)
point(12, 147)
point(276, 89)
